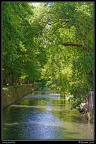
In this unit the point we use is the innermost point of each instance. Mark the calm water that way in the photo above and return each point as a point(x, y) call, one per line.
point(44, 116)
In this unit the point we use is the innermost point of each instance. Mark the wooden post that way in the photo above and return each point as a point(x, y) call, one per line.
point(91, 106)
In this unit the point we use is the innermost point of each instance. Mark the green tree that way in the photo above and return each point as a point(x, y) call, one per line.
point(19, 60)
point(69, 38)
point(53, 42)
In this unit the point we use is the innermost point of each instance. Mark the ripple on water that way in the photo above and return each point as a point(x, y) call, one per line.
point(44, 117)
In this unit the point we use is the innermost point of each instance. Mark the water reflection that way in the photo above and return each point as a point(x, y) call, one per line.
point(46, 116)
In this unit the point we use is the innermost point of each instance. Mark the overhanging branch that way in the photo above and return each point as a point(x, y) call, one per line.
point(71, 44)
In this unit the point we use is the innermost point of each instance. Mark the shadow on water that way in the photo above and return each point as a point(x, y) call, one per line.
point(44, 116)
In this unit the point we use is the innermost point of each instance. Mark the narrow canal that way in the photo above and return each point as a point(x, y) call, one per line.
point(44, 116)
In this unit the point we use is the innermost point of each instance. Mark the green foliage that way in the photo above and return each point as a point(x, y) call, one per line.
point(53, 43)
point(68, 67)
point(18, 51)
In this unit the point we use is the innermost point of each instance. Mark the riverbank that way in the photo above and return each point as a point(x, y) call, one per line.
point(14, 93)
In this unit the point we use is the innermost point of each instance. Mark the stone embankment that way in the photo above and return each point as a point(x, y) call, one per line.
point(13, 94)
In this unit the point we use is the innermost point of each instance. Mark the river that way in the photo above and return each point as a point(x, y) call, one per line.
point(43, 115)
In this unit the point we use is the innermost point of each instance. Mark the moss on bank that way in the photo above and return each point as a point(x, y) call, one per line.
point(14, 93)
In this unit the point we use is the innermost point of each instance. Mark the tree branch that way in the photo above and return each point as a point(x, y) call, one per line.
point(72, 44)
